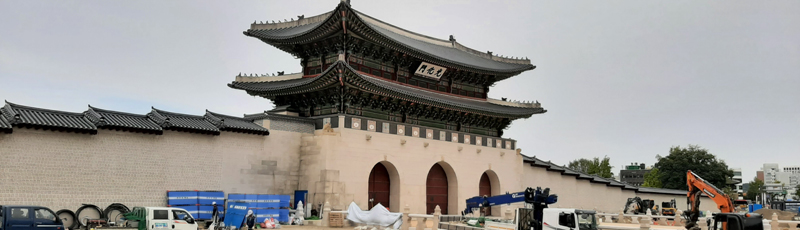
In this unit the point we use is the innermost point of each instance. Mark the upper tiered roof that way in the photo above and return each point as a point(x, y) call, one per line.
point(448, 53)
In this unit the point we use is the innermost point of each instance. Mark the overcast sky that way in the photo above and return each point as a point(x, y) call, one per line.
point(624, 79)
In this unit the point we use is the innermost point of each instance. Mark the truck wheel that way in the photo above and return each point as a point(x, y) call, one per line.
point(68, 219)
point(88, 211)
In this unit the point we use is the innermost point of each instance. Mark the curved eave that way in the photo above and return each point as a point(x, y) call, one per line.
point(385, 88)
point(302, 34)
point(437, 99)
point(450, 56)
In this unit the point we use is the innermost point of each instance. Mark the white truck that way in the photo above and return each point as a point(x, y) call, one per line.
point(552, 219)
point(160, 218)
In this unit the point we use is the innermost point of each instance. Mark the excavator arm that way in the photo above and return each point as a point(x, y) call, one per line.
point(697, 186)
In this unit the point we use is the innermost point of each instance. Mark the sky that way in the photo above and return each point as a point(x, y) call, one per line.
point(623, 79)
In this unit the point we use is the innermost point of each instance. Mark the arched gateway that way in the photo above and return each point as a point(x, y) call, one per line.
point(380, 186)
point(436, 189)
point(485, 189)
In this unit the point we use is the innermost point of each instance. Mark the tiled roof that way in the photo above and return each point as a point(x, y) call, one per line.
point(269, 116)
point(381, 86)
point(182, 122)
point(285, 32)
point(5, 127)
point(38, 118)
point(447, 50)
point(235, 124)
point(108, 119)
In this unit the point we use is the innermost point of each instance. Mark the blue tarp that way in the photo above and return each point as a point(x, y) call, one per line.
point(235, 213)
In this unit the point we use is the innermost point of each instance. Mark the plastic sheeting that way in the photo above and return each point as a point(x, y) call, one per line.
point(379, 215)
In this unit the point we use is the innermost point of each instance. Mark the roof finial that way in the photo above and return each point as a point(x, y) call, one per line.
point(489, 52)
point(292, 19)
point(273, 21)
point(301, 17)
point(240, 74)
point(254, 21)
point(452, 39)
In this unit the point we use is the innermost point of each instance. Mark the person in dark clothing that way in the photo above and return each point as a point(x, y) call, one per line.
point(214, 213)
point(251, 220)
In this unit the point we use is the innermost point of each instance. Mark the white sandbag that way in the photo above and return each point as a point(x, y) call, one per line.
point(379, 215)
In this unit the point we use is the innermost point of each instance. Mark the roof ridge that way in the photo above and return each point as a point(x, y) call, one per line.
point(164, 112)
point(99, 110)
point(453, 43)
point(18, 106)
point(266, 25)
point(226, 116)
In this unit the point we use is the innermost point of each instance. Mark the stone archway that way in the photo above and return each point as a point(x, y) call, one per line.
point(489, 185)
point(441, 188)
point(384, 186)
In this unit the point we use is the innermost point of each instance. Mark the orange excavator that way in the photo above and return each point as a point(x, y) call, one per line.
point(726, 219)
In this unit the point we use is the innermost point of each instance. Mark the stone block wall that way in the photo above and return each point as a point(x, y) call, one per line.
point(64, 170)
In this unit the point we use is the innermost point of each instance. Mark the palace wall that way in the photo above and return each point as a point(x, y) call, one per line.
point(64, 170)
point(583, 194)
point(344, 158)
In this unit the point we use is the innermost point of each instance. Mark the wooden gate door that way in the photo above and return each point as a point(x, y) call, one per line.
point(436, 189)
point(485, 189)
point(379, 186)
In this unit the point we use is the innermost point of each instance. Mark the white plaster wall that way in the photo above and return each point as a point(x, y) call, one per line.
point(583, 194)
point(354, 157)
point(64, 170)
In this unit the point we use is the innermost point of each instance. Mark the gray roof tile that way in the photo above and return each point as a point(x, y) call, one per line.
point(284, 33)
point(442, 99)
point(5, 126)
point(451, 53)
point(235, 124)
point(108, 119)
point(443, 49)
point(38, 118)
point(270, 116)
point(182, 122)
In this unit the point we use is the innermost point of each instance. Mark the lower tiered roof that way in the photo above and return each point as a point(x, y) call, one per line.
point(263, 86)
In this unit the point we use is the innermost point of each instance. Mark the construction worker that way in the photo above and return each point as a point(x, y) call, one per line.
point(214, 213)
point(250, 220)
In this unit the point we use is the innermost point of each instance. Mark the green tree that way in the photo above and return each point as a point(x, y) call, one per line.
point(596, 166)
point(672, 168)
point(756, 187)
point(731, 193)
point(651, 179)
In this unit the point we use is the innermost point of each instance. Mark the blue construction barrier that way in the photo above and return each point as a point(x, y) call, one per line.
point(177, 198)
point(208, 197)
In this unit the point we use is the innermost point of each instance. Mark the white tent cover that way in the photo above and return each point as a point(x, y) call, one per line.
point(379, 215)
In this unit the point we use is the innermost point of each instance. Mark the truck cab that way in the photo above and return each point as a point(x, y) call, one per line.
point(29, 218)
point(568, 219)
point(161, 218)
point(737, 221)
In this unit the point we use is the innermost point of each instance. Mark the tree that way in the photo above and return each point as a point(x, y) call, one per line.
point(755, 189)
point(731, 193)
point(672, 168)
point(596, 166)
point(651, 179)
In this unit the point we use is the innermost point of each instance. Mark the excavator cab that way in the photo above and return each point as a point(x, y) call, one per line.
point(736, 221)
